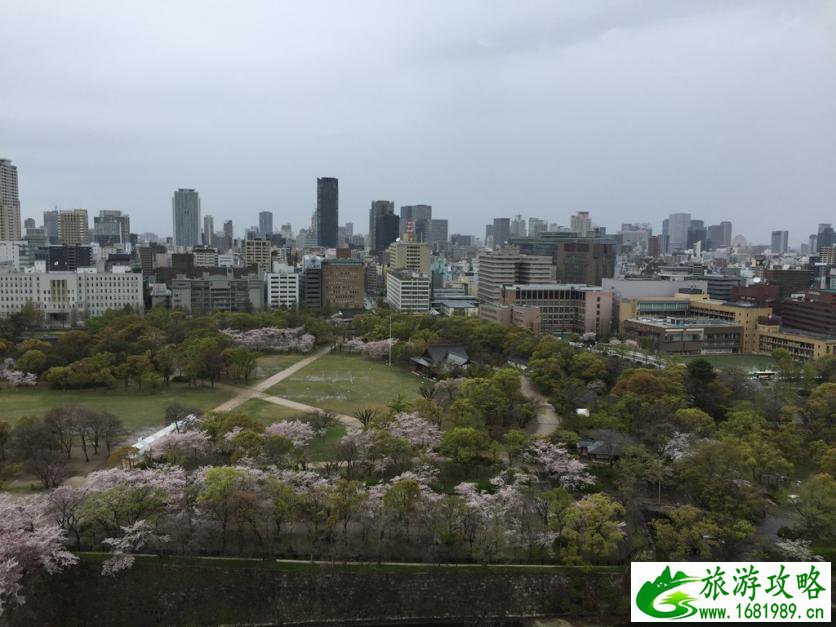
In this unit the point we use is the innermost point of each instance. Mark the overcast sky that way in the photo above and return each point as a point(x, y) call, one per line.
point(630, 110)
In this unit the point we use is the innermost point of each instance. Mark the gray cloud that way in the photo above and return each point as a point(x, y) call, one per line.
point(630, 110)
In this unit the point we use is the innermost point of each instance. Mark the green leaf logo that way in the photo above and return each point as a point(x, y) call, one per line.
point(678, 600)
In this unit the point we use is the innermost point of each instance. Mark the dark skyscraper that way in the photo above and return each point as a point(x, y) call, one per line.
point(383, 225)
point(501, 231)
point(327, 211)
point(186, 217)
point(265, 223)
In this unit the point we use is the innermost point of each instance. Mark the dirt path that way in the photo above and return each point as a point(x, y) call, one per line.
point(258, 391)
point(547, 420)
point(245, 394)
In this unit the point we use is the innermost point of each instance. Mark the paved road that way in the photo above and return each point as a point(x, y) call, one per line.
point(547, 419)
point(258, 391)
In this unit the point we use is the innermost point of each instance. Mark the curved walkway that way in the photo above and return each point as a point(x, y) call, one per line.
point(547, 420)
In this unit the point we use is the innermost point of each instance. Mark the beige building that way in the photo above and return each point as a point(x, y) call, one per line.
point(257, 252)
point(73, 227)
point(414, 256)
point(9, 202)
point(343, 282)
point(744, 314)
point(801, 346)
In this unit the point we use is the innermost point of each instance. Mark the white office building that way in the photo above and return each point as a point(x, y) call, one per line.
point(408, 291)
point(282, 287)
point(66, 297)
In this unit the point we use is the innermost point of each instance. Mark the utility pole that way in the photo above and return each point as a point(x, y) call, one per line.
point(390, 339)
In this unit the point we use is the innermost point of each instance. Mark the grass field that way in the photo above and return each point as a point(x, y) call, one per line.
point(268, 365)
point(741, 362)
point(344, 383)
point(136, 409)
point(266, 412)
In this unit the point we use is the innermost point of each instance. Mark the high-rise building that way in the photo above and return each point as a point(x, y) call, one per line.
point(581, 223)
point(383, 225)
point(697, 234)
point(112, 227)
point(518, 226)
point(420, 216)
point(51, 225)
point(501, 231)
point(677, 231)
point(265, 223)
point(406, 255)
point(438, 231)
point(257, 252)
point(780, 242)
point(73, 227)
point(537, 226)
point(9, 202)
point(287, 231)
point(578, 260)
point(507, 267)
point(208, 230)
point(327, 211)
point(186, 215)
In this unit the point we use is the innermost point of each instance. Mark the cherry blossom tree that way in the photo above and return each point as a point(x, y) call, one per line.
point(298, 432)
point(272, 339)
point(186, 448)
point(134, 537)
point(559, 464)
point(420, 433)
point(29, 540)
point(15, 378)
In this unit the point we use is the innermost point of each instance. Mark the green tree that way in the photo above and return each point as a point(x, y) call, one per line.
point(592, 529)
point(32, 361)
point(817, 505)
point(464, 444)
point(241, 362)
point(687, 533)
point(221, 496)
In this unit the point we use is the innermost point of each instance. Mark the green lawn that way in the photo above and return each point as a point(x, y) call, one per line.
point(268, 365)
point(136, 409)
point(741, 362)
point(266, 412)
point(324, 448)
point(343, 383)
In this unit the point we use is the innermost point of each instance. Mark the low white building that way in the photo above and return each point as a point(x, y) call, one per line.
point(408, 291)
point(64, 297)
point(282, 287)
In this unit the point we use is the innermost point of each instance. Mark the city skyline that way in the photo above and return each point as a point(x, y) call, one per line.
point(721, 111)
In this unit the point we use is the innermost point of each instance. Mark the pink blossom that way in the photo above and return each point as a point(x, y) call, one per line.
point(559, 464)
point(298, 432)
point(29, 540)
point(14, 377)
point(419, 432)
point(272, 339)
